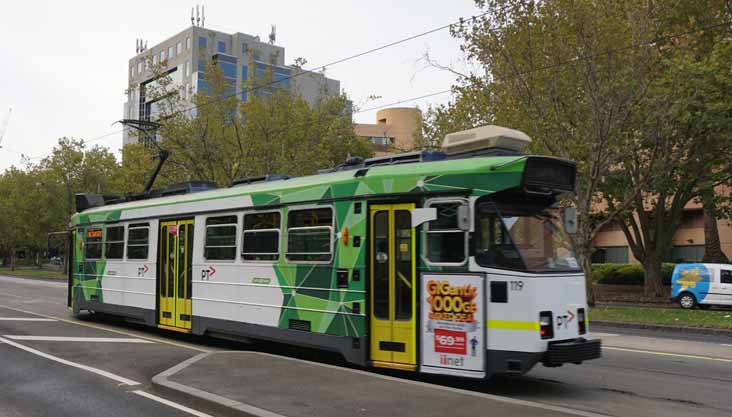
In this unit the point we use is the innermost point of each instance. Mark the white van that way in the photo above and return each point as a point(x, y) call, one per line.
point(702, 285)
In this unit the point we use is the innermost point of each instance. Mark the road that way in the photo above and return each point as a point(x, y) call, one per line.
point(56, 365)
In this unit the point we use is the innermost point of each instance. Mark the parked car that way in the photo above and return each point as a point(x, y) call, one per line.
point(702, 285)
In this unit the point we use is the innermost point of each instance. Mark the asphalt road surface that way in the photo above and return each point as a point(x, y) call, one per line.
point(52, 364)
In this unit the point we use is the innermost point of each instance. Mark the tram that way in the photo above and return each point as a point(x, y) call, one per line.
point(455, 262)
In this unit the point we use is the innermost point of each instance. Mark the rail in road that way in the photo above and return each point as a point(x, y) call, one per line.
point(46, 351)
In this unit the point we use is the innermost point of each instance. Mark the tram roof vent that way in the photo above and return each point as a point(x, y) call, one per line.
point(491, 139)
point(186, 188)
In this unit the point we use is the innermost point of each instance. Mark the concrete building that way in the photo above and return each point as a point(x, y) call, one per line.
point(688, 243)
point(394, 130)
point(242, 58)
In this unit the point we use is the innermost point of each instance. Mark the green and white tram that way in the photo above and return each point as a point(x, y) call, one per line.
point(452, 262)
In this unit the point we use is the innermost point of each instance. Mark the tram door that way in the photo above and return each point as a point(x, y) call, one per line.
point(393, 286)
point(175, 255)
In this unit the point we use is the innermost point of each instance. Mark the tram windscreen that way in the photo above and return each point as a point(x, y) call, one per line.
point(527, 239)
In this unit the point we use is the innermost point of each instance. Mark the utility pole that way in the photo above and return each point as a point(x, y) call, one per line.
point(4, 127)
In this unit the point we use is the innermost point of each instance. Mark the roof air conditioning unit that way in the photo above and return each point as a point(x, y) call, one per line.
point(484, 138)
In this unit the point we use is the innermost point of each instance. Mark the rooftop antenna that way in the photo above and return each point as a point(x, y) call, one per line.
point(193, 20)
point(198, 16)
point(273, 34)
point(203, 16)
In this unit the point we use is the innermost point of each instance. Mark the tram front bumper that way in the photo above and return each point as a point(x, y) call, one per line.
point(572, 351)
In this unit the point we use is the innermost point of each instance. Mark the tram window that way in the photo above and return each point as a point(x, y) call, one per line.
point(220, 238)
point(137, 241)
point(261, 237)
point(114, 242)
point(446, 243)
point(93, 247)
point(309, 235)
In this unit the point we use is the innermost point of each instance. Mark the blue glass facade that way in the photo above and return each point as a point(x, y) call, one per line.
point(202, 42)
point(221, 46)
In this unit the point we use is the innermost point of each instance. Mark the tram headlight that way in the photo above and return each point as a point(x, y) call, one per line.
point(581, 322)
point(546, 328)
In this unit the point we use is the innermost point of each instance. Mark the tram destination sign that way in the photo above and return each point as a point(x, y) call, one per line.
point(452, 326)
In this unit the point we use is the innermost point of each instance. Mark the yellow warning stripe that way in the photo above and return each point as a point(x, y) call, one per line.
point(513, 325)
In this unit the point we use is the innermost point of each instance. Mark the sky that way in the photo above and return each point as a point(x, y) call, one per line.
point(63, 64)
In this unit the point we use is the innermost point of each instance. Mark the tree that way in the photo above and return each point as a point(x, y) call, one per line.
point(688, 126)
point(550, 70)
point(273, 132)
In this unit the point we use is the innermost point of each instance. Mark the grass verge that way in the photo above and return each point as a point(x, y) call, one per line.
point(32, 272)
point(665, 316)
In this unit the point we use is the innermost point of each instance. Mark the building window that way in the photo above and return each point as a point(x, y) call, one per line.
point(221, 46)
point(171, 52)
point(244, 48)
point(220, 238)
point(188, 43)
point(202, 42)
point(132, 71)
point(381, 140)
point(610, 255)
point(179, 48)
point(93, 248)
point(692, 219)
point(162, 56)
point(139, 67)
point(309, 235)
point(114, 243)
point(725, 276)
point(687, 253)
point(188, 68)
point(137, 240)
point(155, 59)
point(261, 237)
point(446, 243)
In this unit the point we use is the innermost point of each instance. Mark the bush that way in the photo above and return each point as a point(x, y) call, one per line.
point(627, 274)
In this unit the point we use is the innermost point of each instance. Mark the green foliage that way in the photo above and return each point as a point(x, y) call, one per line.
point(627, 274)
point(664, 316)
point(274, 132)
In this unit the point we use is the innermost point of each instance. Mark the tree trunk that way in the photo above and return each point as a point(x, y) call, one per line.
point(712, 246)
point(12, 259)
point(654, 281)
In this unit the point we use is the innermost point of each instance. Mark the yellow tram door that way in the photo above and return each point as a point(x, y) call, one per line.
point(174, 286)
point(393, 287)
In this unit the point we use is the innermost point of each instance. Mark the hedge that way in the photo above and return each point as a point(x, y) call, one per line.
point(627, 274)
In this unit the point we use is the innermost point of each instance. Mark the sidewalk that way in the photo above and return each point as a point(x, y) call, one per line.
point(264, 385)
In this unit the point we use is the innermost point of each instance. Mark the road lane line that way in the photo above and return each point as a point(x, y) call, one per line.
point(725, 344)
point(678, 355)
point(172, 404)
point(80, 323)
point(598, 334)
point(77, 339)
point(25, 319)
point(120, 379)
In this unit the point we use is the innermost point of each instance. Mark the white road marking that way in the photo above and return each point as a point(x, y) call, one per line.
point(25, 319)
point(77, 339)
point(725, 344)
point(678, 355)
point(109, 329)
point(172, 404)
point(598, 334)
point(120, 379)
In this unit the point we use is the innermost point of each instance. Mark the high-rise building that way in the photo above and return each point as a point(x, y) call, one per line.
point(395, 130)
point(242, 58)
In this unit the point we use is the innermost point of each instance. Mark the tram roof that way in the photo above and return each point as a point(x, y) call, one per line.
point(483, 175)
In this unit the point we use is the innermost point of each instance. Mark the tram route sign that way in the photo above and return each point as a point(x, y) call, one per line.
point(452, 325)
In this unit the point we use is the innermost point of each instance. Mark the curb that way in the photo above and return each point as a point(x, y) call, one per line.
point(60, 280)
point(217, 402)
point(663, 327)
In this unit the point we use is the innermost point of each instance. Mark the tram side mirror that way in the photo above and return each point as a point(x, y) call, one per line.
point(463, 217)
point(423, 215)
point(570, 220)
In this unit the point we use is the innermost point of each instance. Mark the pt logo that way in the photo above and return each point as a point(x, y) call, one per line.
point(141, 271)
point(206, 274)
point(564, 320)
